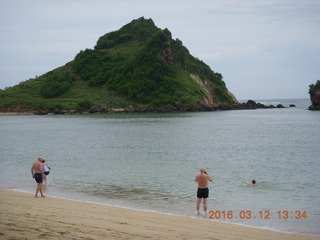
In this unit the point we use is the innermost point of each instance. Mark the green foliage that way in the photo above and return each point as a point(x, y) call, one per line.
point(221, 95)
point(143, 77)
point(51, 106)
point(132, 62)
point(137, 65)
point(141, 62)
point(312, 87)
point(138, 30)
point(150, 76)
point(56, 84)
point(91, 66)
point(84, 105)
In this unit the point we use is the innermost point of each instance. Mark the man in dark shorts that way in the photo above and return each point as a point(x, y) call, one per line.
point(203, 191)
point(37, 174)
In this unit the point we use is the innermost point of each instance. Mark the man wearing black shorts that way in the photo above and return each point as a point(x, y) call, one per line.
point(37, 174)
point(203, 191)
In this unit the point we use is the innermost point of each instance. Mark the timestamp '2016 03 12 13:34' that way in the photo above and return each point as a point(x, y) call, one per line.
point(257, 215)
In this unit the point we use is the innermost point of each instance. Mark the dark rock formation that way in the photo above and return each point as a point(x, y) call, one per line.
point(177, 107)
point(315, 99)
point(314, 91)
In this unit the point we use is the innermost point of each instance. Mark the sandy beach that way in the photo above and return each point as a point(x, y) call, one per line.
point(26, 217)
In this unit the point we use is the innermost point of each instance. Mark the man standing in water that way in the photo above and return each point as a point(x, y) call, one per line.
point(203, 191)
point(37, 174)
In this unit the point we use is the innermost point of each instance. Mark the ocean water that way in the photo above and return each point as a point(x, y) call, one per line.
point(149, 162)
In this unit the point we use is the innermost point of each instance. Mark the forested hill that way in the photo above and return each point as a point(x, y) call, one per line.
point(139, 65)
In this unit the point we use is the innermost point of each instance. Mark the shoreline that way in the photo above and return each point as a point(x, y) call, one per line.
point(24, 216)
point(15, 113)
point(177, 107)
point(200, 218)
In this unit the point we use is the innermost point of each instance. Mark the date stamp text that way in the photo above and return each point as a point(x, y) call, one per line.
point(258, 214)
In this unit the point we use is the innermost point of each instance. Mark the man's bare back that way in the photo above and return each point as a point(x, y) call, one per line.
point(36, 167)
point(203, 178)
point(203, 191)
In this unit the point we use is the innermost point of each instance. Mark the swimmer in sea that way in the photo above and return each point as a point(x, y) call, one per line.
point(253, 183)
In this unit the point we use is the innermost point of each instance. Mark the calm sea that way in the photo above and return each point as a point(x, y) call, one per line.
point(149, 161)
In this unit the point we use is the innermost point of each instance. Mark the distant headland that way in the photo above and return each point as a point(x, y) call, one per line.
point(138, 68)
point(314, 92)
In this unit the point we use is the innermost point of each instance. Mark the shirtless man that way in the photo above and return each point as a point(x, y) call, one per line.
point(203, 191)
point(38, 175)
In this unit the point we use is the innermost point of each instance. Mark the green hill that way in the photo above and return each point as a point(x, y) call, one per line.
point(139, 65)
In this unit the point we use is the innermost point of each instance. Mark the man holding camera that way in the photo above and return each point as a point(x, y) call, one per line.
point(203, 191)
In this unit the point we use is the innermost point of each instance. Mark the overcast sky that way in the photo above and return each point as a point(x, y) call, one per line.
point(263, 48)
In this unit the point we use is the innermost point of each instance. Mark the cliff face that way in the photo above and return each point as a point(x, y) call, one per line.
point(206, 88)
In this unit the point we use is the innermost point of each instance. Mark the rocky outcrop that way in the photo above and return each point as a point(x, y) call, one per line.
point(168, 56)
point(315, 99)
point(177, 107)
point(314, 91)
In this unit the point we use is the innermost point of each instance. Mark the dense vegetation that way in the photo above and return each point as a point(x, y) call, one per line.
point(314, 91)
point(312, 87)
point(56, 84)
point(138, 65)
